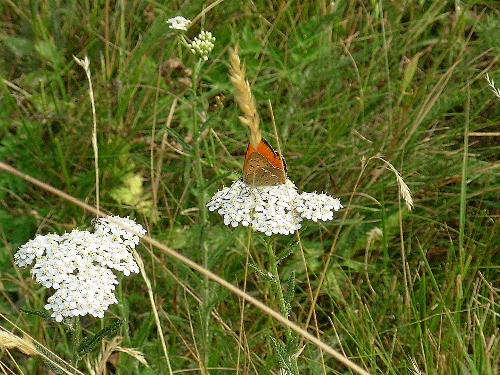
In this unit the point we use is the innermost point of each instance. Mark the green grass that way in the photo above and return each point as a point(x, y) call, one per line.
point(346, 81)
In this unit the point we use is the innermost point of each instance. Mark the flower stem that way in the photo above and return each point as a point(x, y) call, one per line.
point(291, 360)
point(198, 171)
point(77, 337)
point(201, 196)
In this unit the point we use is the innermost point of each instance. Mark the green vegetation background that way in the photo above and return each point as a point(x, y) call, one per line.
point(347, 80)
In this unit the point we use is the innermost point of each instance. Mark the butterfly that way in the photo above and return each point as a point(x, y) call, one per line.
point(264, 166)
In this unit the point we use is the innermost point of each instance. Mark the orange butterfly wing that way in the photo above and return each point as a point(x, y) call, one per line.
point(264, 166)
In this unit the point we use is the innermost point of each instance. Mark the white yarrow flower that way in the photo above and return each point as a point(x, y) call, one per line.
point(178, 23)
point(271, 209)
point(313, 206)
point(78, 265)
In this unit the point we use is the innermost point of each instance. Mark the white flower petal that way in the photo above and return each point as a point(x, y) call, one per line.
point(178, 23)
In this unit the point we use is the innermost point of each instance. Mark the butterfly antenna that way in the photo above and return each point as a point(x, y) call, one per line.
point(244, 97)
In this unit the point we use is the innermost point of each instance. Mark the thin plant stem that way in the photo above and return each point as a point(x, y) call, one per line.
point(203, 218)
point(152, 300)
point(242, 304)
point(198, 168)
point(387, 72)
point(284, 309)
point(77, 336)
point(463, 187)
point(85, 64)
point(311, 298)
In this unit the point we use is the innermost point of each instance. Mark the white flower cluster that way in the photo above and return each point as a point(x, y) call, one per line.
point(179, 23)
point(78, 265)
point(316, 207)
point(271, 209)
point(203, 44)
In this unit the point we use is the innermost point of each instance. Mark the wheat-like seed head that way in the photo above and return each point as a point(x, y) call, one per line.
point(244, 98)
point(403, 188)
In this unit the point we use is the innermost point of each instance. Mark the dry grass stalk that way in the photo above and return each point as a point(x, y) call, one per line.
point(10, 341)
point(244, 97)
point(99, 365)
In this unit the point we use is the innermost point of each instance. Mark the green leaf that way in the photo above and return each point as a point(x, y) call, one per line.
point(290, 293)
point(87, 345)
